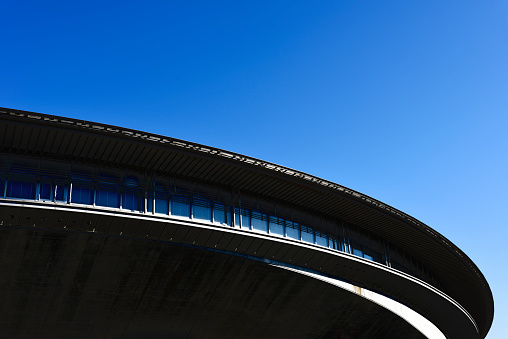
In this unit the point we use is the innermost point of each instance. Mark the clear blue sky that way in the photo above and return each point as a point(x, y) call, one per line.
point(406, 101)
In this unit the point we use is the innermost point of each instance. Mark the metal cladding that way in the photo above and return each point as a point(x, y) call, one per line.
point(50, 137)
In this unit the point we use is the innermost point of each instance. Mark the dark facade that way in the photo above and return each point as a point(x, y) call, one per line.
point(111, 232)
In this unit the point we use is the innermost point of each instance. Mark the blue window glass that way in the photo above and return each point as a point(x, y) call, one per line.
point(180, 206)
point(149, 201)
point(367, 254)
point(21, 189)
point(1, 187)
point(246, 219)
point(107, 197)
point(321, 239)
point(81, 195)
point(161, 201)
point(276, 227)
point(307, 234)
point(201, 209)
point(237, 217)
point(45, 191)
point(130, 197)
point(130, 201)
point(60, 192)
point(259, 222)
point(292, 230)
point(356, 249)
point(219, 213)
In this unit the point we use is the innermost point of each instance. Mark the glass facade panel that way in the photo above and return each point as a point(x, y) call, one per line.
point(201, 209)
point(237, 217)
point(161, 201)
point(130, 201)
point(180, 206)
point(275, 227)
point(245, 219)
point(259, 222)
point(293, 230)
point(149, 201)
point(321, 239)
point(44, 191)
point(219, 213)
point(20, 189)
point(107, 196)
point(307, 234)
point(81, 195)
point(356, 249)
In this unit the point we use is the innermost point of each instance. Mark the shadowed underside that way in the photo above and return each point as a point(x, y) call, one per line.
point(89, 285)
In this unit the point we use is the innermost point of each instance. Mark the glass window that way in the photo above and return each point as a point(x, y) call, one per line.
point(307, 234)
point(149, 201)
point(130, 196)
point(276, 227)
point(107, 195)
point(161, 201)
point(237, 217)
point(21, 189)
point(246, 219)
point(259, 222)
point(60, 192)
point(81, 195)
point(356, 249)
point(180, 206)
point(219, 213)
point(44, 191)
point(292, 230)
point(130, 200)
point(201, 209)
point(321, 239)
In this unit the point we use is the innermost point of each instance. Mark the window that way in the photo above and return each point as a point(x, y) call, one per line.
point(292, 230)
point(21, 189)
point(259, 222)
point(307, 234)
point(321, 239)
point(161, 200)
point(201, 209)
point(276, 227)
point(107, 195)
point(180, 206)
point(130, 196)
point(219, 213)
point(245, 215)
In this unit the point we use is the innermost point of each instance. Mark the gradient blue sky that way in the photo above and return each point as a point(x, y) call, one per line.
point(405, 101)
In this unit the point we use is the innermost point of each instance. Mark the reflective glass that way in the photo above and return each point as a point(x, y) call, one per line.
point(82, 195)
point(44, 191)
point(201, 209)
point(275, 228)
point(107, 198)
point(130, 201)
point(292, 230)
point(219, 214)
point(259, 222)
point(321, 239)
point(307, 234)
point(21, 189)
point(180, 206)
point(246, 219)
point(237, 217)
point(149, 201)
point(356, 249)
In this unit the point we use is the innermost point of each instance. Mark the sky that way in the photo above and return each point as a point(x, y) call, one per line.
point(405, 101)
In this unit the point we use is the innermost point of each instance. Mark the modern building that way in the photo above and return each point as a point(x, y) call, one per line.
point(108, 232)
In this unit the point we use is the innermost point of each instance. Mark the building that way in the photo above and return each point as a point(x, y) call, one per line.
point(114, 233)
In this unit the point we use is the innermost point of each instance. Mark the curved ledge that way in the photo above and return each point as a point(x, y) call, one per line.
point(449, 316)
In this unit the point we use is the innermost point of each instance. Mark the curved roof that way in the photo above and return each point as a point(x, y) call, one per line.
point(68, 139)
